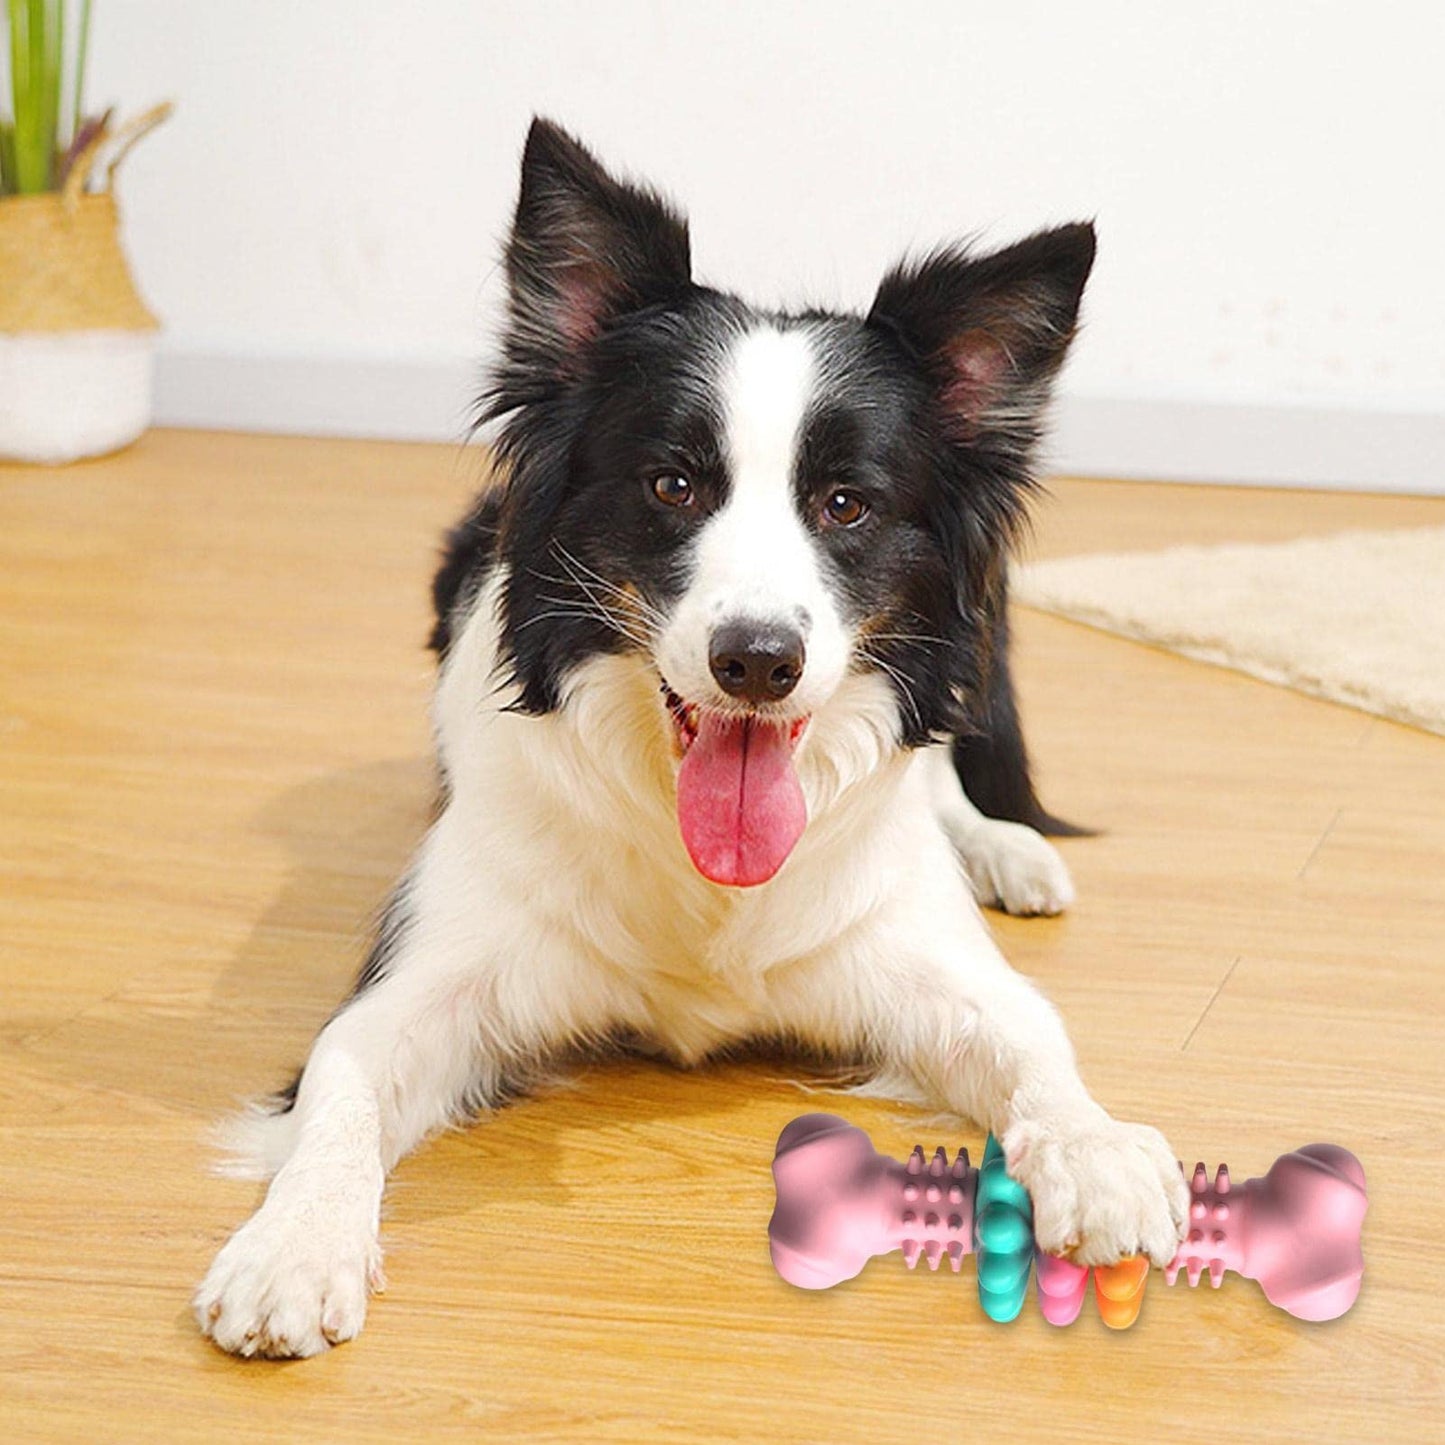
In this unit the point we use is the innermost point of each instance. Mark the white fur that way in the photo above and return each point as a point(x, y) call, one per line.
point(553, 903)
point(1008, 864)
point(295, 1277)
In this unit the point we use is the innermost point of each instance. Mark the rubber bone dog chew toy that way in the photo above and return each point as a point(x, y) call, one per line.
point(840, 1202)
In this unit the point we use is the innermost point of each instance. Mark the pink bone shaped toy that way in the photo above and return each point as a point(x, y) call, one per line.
point(839, 1202)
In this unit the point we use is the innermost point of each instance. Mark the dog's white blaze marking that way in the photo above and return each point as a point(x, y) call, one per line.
point(766, 391)
point(755, 558)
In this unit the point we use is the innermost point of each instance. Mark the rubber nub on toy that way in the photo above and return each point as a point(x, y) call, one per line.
point(1119, 1290)
point(1003, 1237)
point(938, 1203)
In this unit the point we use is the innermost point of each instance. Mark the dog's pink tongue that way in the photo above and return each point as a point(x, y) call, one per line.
point(739, 804)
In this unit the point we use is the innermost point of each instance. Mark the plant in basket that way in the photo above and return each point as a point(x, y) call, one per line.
point(76, 340)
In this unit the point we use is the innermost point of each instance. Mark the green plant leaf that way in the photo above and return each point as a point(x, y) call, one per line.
point(36, 36)
point(8, 184)
point(82, 46)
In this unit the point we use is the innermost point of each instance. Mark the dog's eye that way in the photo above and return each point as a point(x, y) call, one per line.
point(845, 509)
point(672, 489)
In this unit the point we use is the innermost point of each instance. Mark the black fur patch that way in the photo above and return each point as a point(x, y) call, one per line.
point(985, 336)
point(592, 558)
point(467, 557)
point(991, 759)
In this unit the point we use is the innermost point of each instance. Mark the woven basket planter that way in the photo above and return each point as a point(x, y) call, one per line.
point(76, 340)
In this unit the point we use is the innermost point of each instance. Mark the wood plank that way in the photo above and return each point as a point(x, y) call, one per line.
point(213, 762)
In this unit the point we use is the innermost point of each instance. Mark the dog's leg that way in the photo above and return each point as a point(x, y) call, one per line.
point(922, 992)
point(435, 1026)
point(295, 1277)
point(1009, 864)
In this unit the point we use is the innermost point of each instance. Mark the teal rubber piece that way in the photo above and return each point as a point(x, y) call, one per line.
point(1003, 1237)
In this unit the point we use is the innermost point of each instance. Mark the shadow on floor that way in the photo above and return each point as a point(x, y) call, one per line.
point(349, 835)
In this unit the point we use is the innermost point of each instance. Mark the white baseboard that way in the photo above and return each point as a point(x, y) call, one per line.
point(1146, 438)
point(1247, 445)
point(404, 400)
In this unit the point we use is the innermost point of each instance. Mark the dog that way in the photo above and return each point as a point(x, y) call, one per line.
point(717, 657)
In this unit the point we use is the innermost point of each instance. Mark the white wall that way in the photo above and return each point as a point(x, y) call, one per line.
point(320, 222)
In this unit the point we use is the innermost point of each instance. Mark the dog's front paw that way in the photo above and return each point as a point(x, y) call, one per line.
point(1101, 1190)
point(1013, 867)
point(288, 1283)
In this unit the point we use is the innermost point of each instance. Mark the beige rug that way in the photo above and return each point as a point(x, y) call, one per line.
point(1357, 617)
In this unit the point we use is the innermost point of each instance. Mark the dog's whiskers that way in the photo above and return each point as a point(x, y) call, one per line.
point(587, 578)
point(904, 683)
point(589, 609)
point(925, 637)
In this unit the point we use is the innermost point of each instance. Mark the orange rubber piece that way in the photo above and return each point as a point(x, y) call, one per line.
point(1119, 1291)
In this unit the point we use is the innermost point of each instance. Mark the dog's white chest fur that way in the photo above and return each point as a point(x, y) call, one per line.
point(571, 818)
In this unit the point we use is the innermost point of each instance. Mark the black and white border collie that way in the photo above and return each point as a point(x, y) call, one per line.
point(714, 653)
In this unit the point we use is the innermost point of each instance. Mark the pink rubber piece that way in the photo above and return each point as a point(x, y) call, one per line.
point(1296, 1231)
point(1062, 1286)
point(840, 1202)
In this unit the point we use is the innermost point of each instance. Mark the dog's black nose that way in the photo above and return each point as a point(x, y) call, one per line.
point(756, 662)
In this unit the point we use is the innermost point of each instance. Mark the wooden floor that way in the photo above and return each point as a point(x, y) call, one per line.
point(213, 759)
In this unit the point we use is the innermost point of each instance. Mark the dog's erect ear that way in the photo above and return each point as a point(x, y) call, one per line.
point(991, 330)
point(584, 249)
